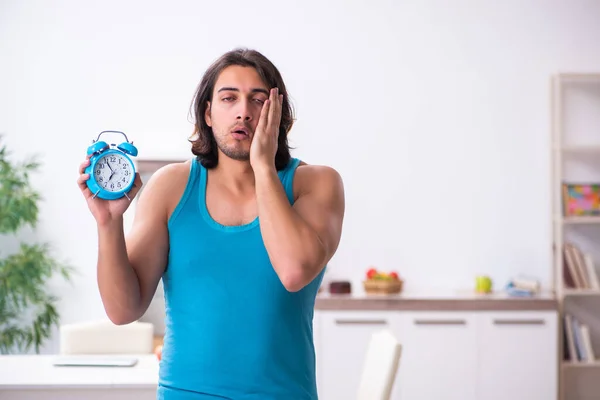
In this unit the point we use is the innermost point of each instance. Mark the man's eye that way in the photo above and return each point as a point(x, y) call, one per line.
point(227, 98)
point(259, 101)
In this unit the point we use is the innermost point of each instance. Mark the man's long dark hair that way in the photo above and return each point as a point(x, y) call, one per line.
point(204, 145)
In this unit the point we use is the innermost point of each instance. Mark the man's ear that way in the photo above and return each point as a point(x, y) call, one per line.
point(207, 114)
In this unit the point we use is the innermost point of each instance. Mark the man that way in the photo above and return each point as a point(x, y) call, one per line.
point(240, 235)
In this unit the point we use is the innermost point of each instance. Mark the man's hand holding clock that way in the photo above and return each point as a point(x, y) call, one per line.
point(106, 211)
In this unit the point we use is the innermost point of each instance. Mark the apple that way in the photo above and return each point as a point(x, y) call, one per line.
point(394, 275)
point(483, 284)
point(371, 273)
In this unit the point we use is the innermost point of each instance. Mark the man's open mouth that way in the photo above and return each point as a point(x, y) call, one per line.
point(241, 131)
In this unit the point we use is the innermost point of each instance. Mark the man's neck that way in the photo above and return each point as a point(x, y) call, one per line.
point(237, 176)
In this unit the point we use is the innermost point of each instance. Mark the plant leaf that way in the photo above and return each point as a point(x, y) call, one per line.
point(27, 310)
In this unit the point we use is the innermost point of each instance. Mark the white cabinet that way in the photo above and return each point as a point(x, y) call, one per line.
point(343, 344)
point(448, 355)
point(439, 358)
point(518, 356)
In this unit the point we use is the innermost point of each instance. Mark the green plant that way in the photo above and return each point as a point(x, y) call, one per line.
point(27, 310)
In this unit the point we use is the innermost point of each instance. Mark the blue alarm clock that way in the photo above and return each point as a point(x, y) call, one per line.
point(111, 170)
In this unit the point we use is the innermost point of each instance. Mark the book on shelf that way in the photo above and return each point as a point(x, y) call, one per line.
point(579, 271)
point(581, 199)
point(578, 343)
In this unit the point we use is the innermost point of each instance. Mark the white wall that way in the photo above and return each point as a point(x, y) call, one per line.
point(436, 114)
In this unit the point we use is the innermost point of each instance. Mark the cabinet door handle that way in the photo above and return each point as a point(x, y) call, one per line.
point(360, 321)
point(519, 322)
point(440, 322)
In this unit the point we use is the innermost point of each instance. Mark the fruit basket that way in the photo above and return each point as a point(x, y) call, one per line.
point(379, 282)
point(374, 286)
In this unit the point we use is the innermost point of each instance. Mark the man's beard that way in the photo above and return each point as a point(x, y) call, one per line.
point(234, 152)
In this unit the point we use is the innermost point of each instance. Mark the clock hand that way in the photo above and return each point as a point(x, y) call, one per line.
point(112, 172)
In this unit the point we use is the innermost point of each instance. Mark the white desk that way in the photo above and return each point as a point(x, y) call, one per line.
point(33, 377)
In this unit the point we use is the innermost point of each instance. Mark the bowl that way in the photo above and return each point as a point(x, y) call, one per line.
point(380, 286)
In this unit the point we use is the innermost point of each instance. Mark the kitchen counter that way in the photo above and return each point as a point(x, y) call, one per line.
point(436, 301)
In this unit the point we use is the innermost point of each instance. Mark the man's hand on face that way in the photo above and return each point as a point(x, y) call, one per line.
point(264, 142)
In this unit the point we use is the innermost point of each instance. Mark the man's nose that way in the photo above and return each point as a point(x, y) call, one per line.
point(244, 113)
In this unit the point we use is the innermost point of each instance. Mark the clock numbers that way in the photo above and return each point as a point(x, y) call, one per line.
point(113, 172)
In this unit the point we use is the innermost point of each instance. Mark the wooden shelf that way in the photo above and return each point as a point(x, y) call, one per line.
point(579, 77)
point(580, 149)
point(581, 220)
point(150, 166)
point(571, 364)
point(574, 150)
point(581, 292)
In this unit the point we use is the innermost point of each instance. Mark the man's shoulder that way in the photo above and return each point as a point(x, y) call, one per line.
point(310, 177)
point(171, 173)
point(168, 180)
point(313, 171)
point(174, 168)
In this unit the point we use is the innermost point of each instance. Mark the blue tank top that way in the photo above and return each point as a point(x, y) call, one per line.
point(232, 330)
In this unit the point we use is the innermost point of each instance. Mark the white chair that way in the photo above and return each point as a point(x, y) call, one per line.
point(380, 367)
point(104, 337)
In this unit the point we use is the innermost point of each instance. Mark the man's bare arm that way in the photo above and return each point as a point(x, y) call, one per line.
point(300, 240)
point(129, 269)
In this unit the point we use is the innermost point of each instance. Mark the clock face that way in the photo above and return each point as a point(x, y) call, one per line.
point(113, 172)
